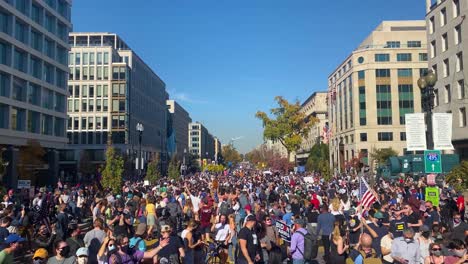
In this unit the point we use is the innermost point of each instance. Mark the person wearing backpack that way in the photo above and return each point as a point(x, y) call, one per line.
point(363, 252)
point(301, 248)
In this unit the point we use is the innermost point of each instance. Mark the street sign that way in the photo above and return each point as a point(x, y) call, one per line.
point(432, 161)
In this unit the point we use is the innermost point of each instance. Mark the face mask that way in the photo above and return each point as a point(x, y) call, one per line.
point(459, 253)
point(408, 240)
point(436, 253)
point(125, 248)
point(457, 220)
point(82, 260)
point(37, 261)
point(111, 248)
point(65, 251)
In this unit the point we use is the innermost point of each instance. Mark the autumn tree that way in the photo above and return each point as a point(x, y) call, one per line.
point(173, 171)
point(112, 173)
point(288, 125)
point(458, 177)
point(382, 155)
point(153, 172)
point(230, 154)
point(31, 157)
point(261, 156)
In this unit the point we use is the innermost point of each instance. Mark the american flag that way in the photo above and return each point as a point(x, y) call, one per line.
point(367, 195)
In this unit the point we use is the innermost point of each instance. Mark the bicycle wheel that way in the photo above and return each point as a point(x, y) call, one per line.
point(213, 260)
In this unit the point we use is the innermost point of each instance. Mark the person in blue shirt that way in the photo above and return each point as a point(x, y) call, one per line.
point(325, 223)
point(287, 217)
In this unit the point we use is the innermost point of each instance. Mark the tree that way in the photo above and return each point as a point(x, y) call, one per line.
point(318, 160)
point(85, 166)
point(288, 125)
point(261, 156)
point(213, 168)
point(112, 173)
point(173, 171)
point(382, 155)
point(230, 154)
point(193, 165)
point(31, 158)
point(153, 173)
point(458, 177)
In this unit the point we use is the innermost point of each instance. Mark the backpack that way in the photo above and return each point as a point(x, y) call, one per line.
point(310, 246)
point(366, 259)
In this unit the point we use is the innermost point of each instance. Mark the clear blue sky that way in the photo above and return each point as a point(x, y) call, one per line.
point(225, 59)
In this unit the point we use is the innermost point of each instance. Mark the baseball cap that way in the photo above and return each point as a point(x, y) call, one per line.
point(251, 218)
point(82, 252)
point(13, 238)
point(248, 207)
point(166, 228)
point(299, 221)
point(41, 253)
point(424, 228)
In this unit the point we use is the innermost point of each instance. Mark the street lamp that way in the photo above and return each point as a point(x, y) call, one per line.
point(426, 84)
point(183, 162)
point(139, 128)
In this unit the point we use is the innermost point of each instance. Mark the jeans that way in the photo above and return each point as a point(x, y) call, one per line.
point(326, 245)
point(298, 261)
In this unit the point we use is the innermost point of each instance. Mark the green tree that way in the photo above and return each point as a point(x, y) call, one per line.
point(173, 171)
point(382, 155)
point(153, 173)
point(318, 160)
point(231, 154)
point(288, 126)
point(112, 173)
point(458, 177)
point(213, 168)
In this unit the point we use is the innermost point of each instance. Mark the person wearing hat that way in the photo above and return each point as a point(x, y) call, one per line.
point(82, 255)
point(174, 250)
point(248, 242)
point(40, 256)
point(12, 243)
point(373, 226)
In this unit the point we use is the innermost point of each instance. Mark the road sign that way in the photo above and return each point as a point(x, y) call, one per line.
point(432, 161)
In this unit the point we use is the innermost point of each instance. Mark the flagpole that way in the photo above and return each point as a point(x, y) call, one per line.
point(360, 203)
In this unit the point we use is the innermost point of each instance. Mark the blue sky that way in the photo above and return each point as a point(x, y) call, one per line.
point(225, 59)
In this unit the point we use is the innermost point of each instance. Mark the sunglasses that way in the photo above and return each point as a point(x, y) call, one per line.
point(436, 249)
point(269, 219)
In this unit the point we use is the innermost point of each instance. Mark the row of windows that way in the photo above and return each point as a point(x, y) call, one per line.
point(447, 92)
point(91, 91)
point(95, 137)
point(89, 122)
point(89, 105)
point(385, 57)
point(444, 41)
point(88, 58)
point(383, 136)
point(21, 90)
point(20, 119)
point(443, 16)
point(409, 44)
point(386, 73)
point(91, 73)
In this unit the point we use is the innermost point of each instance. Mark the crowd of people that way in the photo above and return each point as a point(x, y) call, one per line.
point(230, 219)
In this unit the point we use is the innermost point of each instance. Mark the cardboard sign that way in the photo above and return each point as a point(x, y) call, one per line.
point(284, 230)
point(432, 194)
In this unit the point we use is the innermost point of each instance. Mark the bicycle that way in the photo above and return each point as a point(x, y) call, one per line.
point(215, 253)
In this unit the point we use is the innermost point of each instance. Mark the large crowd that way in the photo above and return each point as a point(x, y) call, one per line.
point(256, 218)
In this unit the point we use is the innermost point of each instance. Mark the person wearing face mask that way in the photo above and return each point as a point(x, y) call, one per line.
point(40, 256)
point(62, 254)
point(425, 241)
point(82, 255)
point(458, 227)
point(435, 254)
point(405, 250)
point(457, 249)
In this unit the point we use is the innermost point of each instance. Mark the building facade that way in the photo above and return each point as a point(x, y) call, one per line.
point(447, 34)
point(218, 148)
point(33, 84)
point(201, 142)
point(372, 90)
point(112, 90)
point(314, 107)
point(178, 137)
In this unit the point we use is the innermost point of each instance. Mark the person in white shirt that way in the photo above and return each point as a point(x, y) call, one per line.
point(222, 233)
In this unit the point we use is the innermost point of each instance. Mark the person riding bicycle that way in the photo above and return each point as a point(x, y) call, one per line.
point(222, 235)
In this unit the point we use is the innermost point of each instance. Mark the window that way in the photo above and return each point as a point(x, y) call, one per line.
point(105, 90)
point(77, 58)
point(459, 62)
point(99, 90)
point(402, 136)
point(457, 35)
point(462, 117)
point(59, 103)
point(36, 14)
point(50, 23)
point(91, 72)
point(70, 105)
point(59, 127)
point(62, 31)
point(4, 53)
point(98, 122)
point(99, 73)
point(422, 56)
point(36, 40)
point(98, 105)
point(405, 101)
point(382, 57)
point(77, 91)
point(414, 44)
point(64, 9)
point(34, 94)
point(34, 122)
point(106, 73)
point(85, 73)
point(4, 85)
point(105, 105)
point(84, 91)
point(49, 48)
point(461, 89)
point(405, 72)
point(456, 8)
point(47, 99)
point(104, 122)
point(404, 57)
point(76, 105)
point(443, 17)
point(91, 58)
point(431, 25)
point(444, 42)
point(382, 73)
point(115, 73)
point(47, 124)
point(385, 136)
point(76, 123)
point(433, 49)
point(392, 44)
point(448, 94)
point(62, 55)
point(122, 73)
point(91, 91)
point(77, 73)
point(83, 123)
point(363, 137)
point(4, 115)
point(19, 90)
point(106, 57)
point(5, 22)
point(90, 122)
point(384, 105)
point(21, 32)
point(122, 89)
point(99, 58)
point(446, 68)
point(20, 62)
point(115, 105)
point(49, 73)
point(18, 119)
point(85, 58)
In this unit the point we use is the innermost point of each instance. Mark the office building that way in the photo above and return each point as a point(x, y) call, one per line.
point(178, 137)
point(201, 142)
point(447, 34)
point(372, 89)
point(314, 107)
point(218, 148)
point(33, 85)
point(112, 90)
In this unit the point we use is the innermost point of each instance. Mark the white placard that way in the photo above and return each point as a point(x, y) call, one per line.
point(415, 132)
point(24, 184)
point(442, 131)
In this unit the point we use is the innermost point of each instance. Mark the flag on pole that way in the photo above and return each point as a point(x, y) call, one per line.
point(366, 194)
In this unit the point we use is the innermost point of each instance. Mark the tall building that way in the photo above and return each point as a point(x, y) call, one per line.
point(201, 142)
point(373, 88)
point(448, 53)
point(218, 149)
point(178, 137)
point(33, 83)
point(314, 107)
point(112, 90)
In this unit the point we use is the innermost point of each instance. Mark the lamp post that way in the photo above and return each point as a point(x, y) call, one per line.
point(139, 128)
point(183, 162)
point(426, 84)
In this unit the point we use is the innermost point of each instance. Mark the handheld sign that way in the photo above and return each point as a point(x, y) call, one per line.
point(284, 230)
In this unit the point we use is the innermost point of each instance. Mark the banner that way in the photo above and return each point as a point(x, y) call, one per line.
point(284, 230)
point(415, 132)
point(432, 194)
point(442, 131)
point(24, 184)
